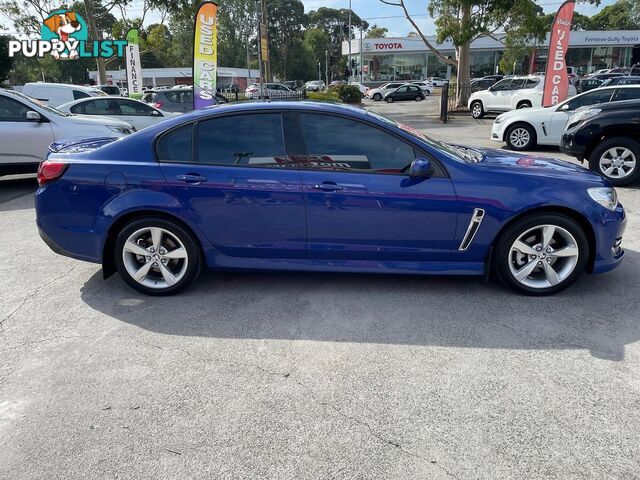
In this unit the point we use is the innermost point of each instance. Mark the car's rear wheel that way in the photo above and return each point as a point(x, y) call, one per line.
point(377, 97)
point(477, 111)
point(542, 254)
point(156, 256)
point(389, 99)
point(617, 159)
point(520, 137)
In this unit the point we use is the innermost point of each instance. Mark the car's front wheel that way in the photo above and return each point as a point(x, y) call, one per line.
point(541, 254)
point(389, 99)
point(520, 137)
point(617, 159)
point(156, 256)
point(419, 98)
point(477, 111)
point(377, 97)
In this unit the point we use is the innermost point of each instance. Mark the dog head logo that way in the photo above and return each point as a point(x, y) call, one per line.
point(65, 27)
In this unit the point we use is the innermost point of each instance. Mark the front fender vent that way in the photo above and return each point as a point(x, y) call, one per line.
point(472, 229)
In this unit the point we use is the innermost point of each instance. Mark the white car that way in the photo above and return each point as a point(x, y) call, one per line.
point(426, 87)
point(437, 81)
point(378, 94)
point(54, 94)
point(134, 112)
point(29, 127)
point(314, 86)
point(510, 94)
point(524, 129)
point(269, 90)
point(363, 89)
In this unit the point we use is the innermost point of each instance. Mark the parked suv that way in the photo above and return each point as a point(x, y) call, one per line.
point(510, 94)
point(607, 136)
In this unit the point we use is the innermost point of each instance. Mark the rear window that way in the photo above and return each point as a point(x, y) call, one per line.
point(175, 146)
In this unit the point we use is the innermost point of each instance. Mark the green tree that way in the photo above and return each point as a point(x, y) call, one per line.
point(580, 22)
point(377, 32)
point(6, 62)
point(622, 15)
point(285, 20)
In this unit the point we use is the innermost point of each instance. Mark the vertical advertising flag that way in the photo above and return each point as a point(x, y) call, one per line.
point(205, 55)
point(134, 68)
point(556, 81)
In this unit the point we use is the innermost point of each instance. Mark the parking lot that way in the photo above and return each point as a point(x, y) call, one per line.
point(275, 375)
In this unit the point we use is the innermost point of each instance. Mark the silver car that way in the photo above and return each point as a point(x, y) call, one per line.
point(27, 128)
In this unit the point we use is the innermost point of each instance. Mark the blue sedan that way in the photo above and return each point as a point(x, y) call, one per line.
point(320, 187)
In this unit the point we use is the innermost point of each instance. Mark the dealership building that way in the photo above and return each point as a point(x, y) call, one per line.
point(385, 59)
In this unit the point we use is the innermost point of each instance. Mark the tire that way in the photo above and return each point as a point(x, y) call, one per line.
point(477, 110)
point(389, 99)
point(520, 137)
point(523, 262)
point(377, 97)
point(525, 104)
point(627, 151)
point(183, 259)
point(427, 92)
point(419, 98)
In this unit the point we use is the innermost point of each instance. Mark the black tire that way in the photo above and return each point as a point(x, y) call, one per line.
point(389, 99)
point(193, 255)
point(477, 110)
point(521, 128)
point(502, 258)
point(427, 93)
point(377, 97)
point(419, 98)
point(525, 104)
point(616, 142)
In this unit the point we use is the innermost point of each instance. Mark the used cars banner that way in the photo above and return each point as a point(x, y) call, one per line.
point(205, 55)
point(556, 83)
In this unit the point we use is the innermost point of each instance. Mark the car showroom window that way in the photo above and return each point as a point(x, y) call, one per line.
point(176, 145)
point(12, 111)
point(337, 143)
point(245, 140)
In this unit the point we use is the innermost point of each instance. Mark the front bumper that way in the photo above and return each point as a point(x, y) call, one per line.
point(609, 233)
point(497, 131)
point(569, 146)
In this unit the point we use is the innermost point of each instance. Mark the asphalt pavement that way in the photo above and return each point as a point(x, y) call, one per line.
point(312, 376)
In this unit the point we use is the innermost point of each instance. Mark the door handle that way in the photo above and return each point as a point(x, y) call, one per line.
point(328, 187)
point(190, 178)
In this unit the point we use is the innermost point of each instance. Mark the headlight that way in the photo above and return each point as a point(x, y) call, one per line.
point(499, 119)
point(605, 196)
point(581, 116)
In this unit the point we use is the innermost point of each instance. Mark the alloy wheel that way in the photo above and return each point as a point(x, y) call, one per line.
point(519, 137)
point(476, 110)
point(543, 256)
point(155, 258)
point(618, 162)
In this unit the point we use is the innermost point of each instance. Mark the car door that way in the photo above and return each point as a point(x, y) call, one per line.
point(559, 117)
point(237, 184)
point(360, 203)
point(401, 93)
point(506, 98)
point(494, 98)
point(21, 140)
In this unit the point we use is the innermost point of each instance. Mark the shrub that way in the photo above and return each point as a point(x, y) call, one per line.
point(330, 96)
point(135, 96)
point(349, 93)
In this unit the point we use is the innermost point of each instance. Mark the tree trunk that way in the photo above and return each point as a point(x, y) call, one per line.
point(464, 62)
point(94, 34)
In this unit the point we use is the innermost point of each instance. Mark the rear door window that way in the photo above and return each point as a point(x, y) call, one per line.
point(627, 94)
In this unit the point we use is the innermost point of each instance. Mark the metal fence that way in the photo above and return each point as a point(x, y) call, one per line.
point(449, 100)
point(242, 96)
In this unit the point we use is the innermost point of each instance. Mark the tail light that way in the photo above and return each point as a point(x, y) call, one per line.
point(157, 104)
point(51, 170)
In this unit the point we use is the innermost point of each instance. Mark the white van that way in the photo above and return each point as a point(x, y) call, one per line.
point(54, 94)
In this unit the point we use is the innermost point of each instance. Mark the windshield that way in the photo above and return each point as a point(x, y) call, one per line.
point(457, 153)
point(33, 101)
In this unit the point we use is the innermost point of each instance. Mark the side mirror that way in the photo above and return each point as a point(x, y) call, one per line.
point(156, 113)
point(421, 168)
point(33, 116)
point(565, 107)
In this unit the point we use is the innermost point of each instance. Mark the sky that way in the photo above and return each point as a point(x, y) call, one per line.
point(374, 11)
